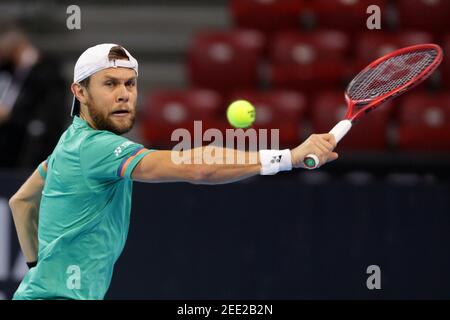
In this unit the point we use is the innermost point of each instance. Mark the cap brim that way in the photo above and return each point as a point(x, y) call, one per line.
point(75, 107)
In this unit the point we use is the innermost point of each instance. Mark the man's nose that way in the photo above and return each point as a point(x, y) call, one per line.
point(123, 95)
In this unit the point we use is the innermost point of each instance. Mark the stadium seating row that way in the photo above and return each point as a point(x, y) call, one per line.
point(304, 70)
point(349, 15)
point(421, 119)
point(324, 59)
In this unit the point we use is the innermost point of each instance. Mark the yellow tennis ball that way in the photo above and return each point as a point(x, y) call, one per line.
point(241, 114)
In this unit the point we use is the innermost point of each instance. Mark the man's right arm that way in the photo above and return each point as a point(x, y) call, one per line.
point(159, 166)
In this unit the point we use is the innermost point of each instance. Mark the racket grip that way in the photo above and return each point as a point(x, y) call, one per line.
point(311, 161)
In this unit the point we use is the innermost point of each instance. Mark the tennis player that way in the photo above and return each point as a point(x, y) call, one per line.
point(72, 214)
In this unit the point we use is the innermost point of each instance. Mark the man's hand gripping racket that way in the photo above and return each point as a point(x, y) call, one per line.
point(383, 79)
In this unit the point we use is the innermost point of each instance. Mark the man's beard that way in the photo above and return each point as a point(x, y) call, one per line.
point(102, 122)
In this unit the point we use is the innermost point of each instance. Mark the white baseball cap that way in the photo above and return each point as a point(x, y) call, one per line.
point(95, 59)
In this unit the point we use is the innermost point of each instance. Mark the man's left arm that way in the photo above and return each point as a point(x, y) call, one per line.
point(24, 205)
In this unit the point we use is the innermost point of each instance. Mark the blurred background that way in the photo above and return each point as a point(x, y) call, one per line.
point(298, 235)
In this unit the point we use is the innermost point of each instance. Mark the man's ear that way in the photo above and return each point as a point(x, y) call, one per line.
point(79, 92)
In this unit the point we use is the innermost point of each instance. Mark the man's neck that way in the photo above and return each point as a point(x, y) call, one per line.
point(88, 119)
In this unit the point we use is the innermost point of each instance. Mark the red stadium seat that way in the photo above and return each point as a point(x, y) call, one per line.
point(266, 15)
point(329, 108)
point(225, 60)
point(424, 14)
point(372, 45)
point(424, 122)
point(293, 47)
point(165, 111)
point(348, 15)
point(283, 110)
point(309, 61)
point(311, 77)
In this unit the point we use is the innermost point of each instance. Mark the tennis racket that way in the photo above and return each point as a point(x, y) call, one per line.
point(383, 79)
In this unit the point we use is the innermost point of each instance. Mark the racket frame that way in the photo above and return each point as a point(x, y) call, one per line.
point(371, 104)
point(311, 161)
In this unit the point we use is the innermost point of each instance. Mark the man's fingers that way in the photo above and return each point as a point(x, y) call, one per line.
point(332, 156)
point(321, 145)
point(325, 147)
point(329, 137)
point(326, 139)
point(321, 152)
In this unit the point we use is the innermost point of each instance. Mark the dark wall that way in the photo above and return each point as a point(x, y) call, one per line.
point(280, 237)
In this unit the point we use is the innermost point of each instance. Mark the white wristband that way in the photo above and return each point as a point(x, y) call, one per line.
point(273, 161)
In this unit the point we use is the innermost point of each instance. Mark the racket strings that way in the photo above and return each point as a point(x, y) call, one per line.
point(390, 74)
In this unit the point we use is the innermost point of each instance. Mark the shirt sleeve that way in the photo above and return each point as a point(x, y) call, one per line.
point(107, 156)
point(42, 168)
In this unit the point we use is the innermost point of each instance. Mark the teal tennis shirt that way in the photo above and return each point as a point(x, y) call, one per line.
point(84, 214)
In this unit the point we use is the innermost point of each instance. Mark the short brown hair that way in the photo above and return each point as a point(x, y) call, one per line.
point(116, 53)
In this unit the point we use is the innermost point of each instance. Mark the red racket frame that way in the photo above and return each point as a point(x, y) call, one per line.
point(373, 103)
point(340, 130)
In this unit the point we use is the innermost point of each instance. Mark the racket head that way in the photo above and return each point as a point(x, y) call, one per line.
point(389, 76)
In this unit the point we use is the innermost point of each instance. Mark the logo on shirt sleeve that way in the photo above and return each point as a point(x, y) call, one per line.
point(119, 149)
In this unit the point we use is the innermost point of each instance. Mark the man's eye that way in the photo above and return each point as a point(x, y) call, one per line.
point(109, 83)
point(131, 83)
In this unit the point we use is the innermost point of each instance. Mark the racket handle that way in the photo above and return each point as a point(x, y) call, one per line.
point(311, 161)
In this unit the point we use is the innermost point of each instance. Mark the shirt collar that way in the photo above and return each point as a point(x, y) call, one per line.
point(80, 123)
